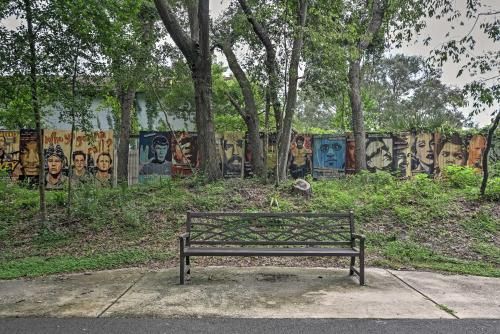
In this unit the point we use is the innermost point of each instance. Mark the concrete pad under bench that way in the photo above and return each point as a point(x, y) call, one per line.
point(274, 292)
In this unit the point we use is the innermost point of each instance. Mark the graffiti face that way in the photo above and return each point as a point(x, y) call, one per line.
point(476, 148)
point(103, 163)
point(79, 164)
point(329, 153)
point(54, 164)
point(29, 159)
point(424, 151)
point(450, 154)
point(232, 153)
point(379, 155)
point(161, 152)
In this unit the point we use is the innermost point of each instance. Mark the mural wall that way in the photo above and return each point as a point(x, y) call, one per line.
point(9, 153)
point(233, 154)
point(166, 154)
point(329, 154)
point(300, 156)
point(155, 155)
point(184, 153)
point(378, 152)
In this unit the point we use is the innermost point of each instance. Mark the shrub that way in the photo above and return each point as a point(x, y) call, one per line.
point(462, 177)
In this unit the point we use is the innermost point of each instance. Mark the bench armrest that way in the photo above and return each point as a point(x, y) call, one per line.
point(358, 236)
point(184, 240)
point(361, 239)
point(184, 235)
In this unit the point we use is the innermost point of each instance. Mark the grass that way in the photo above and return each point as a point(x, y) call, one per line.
point(37, 266)
point(419, 223)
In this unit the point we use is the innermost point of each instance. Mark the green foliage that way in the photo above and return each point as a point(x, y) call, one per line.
point(462, 177)
point(38, 266)
point(410, 253)
point(406, 221)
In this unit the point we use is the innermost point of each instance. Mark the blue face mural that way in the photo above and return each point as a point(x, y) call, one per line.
point(328, 156)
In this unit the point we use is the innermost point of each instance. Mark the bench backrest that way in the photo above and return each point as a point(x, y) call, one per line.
point(234, 228)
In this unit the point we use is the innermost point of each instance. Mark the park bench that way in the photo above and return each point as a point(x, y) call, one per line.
point(271, 234)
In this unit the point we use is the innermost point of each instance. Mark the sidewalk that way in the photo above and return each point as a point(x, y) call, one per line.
point(263, 292)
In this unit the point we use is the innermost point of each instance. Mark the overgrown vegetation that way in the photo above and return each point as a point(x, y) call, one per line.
point(418, 223)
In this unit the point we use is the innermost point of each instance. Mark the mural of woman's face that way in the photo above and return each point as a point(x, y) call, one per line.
point(424, 148)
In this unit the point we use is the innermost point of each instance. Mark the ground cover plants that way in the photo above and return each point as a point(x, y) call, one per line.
point(420, 223)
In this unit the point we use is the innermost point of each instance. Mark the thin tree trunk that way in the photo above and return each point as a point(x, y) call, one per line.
point(271, 62)
point(126, 97)
point(249, 115)
point(266, 133)
point(358, 122)
point(73, 121)
point(491, 134)
point(284, 139)
point(376, 17)
point(36, 107)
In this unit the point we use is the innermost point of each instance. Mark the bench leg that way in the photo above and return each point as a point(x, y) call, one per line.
point(181, 273)
point(188, 269)
point(353, 262)
point(362, 269)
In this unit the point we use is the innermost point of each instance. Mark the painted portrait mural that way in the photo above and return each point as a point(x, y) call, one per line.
point(350, 159)
point(300, 156)
point(28, 167)
point(234, 152)
point(451, 150)
point(155, 156)
point(80, 171)
point(423, 147)
point(100, 149)
point(475, 151)
point(56, 150)
point(328, 156)
point(184, 153)
point(401, 154)
point(378, 152)
point(9, 153)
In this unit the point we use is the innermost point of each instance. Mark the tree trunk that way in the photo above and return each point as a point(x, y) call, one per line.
point(36, 108)
point(291, 101)
point(250, 114)
point(73, 123)
point(491, 134)
point(357, 114)
point(198, 56)
point(271, 62)
point(126, 97)
point(202, 77)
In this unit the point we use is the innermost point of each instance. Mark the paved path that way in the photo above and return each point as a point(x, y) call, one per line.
point(235, 325)
point(263, 292)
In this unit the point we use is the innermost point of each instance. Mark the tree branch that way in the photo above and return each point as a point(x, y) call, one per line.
point(236, 105)
point(240, 76)
point(181, 39)
point(378, 12)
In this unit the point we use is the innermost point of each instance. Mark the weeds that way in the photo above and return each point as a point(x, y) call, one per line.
point(406, 222)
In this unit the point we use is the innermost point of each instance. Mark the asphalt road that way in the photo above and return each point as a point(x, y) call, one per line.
point(227, 325)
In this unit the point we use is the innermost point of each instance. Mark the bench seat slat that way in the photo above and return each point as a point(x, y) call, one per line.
point(208, 251)
point(266, 242)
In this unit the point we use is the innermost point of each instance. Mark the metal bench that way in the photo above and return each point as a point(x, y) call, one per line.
point(271, 234)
